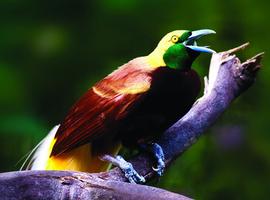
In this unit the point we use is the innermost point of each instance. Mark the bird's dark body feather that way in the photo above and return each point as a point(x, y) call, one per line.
point(108, 112)
point(171, 95)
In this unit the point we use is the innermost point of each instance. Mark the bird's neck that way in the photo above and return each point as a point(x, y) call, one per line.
point(180, 61)
point(155, 59)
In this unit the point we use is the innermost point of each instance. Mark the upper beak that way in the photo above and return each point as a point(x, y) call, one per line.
point(191, 41)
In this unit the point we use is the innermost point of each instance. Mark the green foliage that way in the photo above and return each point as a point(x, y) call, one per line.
point(52, 51)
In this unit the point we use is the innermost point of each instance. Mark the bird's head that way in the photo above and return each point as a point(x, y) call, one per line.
point(178, 49)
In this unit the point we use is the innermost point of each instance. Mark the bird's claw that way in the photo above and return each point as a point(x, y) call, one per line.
point(160, 167)
point(129, 171)
point(159, 155)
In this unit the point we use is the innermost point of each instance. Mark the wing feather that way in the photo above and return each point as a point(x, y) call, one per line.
point(100, 110)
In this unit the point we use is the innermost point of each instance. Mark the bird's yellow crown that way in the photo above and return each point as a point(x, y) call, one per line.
point(155, 59)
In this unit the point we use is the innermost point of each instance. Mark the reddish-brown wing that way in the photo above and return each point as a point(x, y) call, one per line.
point(100, 110)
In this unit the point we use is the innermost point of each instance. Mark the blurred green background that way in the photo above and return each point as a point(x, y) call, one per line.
point(51, 52)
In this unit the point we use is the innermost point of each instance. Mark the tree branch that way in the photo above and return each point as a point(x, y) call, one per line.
point(228, 78)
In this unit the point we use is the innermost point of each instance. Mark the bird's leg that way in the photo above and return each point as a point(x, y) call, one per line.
point(126, 167)
point(156, 150)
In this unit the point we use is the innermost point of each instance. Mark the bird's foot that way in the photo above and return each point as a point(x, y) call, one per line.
point(129, 171)
point(156, 150)
point(126, 167)
point(159, 155)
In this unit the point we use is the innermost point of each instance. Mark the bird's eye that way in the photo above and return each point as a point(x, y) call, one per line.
point(174, 39)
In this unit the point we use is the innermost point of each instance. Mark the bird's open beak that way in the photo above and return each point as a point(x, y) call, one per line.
point(192, 44)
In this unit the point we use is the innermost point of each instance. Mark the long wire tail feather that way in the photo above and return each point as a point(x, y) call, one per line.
point(38, 157)
point(28, 156)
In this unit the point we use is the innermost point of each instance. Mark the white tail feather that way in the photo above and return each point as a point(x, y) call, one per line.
point(41, 153)
point(28, 156)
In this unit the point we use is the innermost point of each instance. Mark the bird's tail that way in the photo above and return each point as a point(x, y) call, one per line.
point(78, 159)
point(39, 156)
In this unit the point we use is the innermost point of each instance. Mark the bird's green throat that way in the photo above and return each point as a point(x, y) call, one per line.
point(179, 57)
